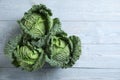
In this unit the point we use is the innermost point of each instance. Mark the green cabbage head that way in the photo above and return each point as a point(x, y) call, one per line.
point(24, 55)
point(58, 52)
point(37, 21)
point(61, 50)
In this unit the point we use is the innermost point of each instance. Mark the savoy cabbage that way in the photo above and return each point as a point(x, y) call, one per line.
point(42, 41)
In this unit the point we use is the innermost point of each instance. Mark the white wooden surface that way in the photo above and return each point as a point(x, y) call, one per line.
point(96, 22)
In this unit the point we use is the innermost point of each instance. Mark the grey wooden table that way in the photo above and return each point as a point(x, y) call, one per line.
point(96, 22)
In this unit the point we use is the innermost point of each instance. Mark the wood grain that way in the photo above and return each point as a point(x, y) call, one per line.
point(66, 10)
point(60, 74)
point(89, 60)
point(89, 32)
point(100, 45)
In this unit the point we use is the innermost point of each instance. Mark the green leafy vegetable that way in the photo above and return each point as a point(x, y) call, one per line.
point(23, 54)
point(37, 21)
point(61, 50)
point(42, 41)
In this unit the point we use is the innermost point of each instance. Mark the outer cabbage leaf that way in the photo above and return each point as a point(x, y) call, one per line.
point(75, 50)
point(56, 29)
point(11, 46)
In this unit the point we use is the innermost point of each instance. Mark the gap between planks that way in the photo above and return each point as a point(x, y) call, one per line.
point(63, 68)
point(80, 20)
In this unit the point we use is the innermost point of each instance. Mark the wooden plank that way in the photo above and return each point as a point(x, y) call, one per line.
point(94, 32)
point(98, 56)
point(66, 10)
point(60, 74)
point(100, 45)
point(89, 32)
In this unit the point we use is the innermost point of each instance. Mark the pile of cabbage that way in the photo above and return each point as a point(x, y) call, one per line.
point(42, 41)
